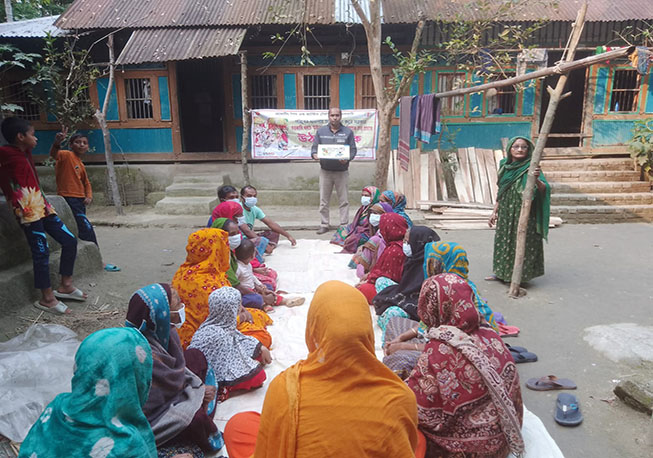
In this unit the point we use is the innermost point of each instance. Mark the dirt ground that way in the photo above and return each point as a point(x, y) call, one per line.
point(596, 274)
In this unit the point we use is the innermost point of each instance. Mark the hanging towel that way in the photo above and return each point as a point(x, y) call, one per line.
point(640, 59)
point(427, 121)
point(405, 118)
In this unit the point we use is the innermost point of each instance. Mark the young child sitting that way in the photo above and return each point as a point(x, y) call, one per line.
point(245, 254)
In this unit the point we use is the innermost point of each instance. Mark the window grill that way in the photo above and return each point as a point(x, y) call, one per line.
point(505, 100)
point(452, 106)
point(264, 91)
point(625, 90)
point(367, 91)
point(17, 94)
point(138, 96)
point(317, 92)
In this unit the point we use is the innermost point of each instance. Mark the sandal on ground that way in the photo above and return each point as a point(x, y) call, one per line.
point(523, 357)
point(295, 301)
point(76, 295)
point(567, 410)
point(492, 278)
point(550, 382)
point(112, 268)
point(59, 309)
point(517, 349)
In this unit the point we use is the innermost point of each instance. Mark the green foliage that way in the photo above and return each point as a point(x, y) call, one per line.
point(30, 9)
point(641, 144)
point(408, 65)
point(11, 58)
point(61, 82)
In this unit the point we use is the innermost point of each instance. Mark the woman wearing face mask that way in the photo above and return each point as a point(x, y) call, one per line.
point(360, 230)
point(180, 405)
point(368, 253)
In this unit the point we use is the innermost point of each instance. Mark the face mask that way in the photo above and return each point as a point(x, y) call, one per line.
point(251, 201)
point(375, 219)
point(235, 241)
point(182, 316)
point(241, 220)
point(237, 200)
point(366, 200)
point(408, 251)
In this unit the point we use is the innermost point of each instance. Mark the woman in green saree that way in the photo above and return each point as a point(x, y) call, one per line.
point(512, 180)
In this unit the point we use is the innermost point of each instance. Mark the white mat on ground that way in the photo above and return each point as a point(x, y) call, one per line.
point(301, 270)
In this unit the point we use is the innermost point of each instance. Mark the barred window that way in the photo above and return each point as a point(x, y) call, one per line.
point(505, 101)
point(452, 106)
point(264, 91)
point(317, 92)
point(138, 96)
point(367, 91)
point(625, 90)
point(17, 94)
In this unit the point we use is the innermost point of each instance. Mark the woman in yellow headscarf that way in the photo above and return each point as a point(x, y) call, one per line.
point(341, 400)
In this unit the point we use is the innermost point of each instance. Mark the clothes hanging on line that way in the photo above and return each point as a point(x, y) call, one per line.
point(427, 120)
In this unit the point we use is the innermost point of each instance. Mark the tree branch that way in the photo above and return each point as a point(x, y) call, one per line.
point(361, 14)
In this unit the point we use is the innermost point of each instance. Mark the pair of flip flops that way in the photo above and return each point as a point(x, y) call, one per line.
point(522, 355)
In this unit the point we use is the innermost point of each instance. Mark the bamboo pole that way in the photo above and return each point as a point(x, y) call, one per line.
point(246, 120)
point(562, 68)
point(529, 190)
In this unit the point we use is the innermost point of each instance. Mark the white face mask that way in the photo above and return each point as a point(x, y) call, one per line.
point(366, 200)
point(182, 316)
point(375, 219)
point(408, 251)
point(237, 200)
point(235, 241)
point(241, 220)
point(251, 201)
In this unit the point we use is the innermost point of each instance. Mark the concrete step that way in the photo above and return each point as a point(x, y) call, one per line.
point(187, 189)
point(594, 175)
point(186, 205)
point(552, 165)
point(309, 198)
point(604, 213)
point(585, 187)
point(614, 198)
point(207, 178)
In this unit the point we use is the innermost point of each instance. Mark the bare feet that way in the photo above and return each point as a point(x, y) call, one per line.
point(294, 302)
point(492, 278)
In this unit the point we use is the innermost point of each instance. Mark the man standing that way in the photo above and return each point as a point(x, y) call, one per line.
point(334, 172)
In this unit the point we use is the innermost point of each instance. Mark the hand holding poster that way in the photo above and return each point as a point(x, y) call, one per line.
point(289, 134)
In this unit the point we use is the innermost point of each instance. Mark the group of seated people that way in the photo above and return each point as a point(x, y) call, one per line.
point(447, 387)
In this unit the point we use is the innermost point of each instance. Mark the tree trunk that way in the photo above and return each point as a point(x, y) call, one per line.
point(101, 117)
point(529, 189)
point(9, 11)
point(383, 149)
point(246, 119)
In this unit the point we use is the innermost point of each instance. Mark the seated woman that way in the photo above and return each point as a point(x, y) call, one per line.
point(398, 202)
point(391, 263)
point(177, 406)
point(232, 355)
point(103, 413)
point(369, 252)
point(466, 382)
point(360, 230)
point(209, 265)
point(341, 401)
point(229, 209)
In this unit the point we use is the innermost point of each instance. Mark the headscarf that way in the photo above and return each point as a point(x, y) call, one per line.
point(449, 257)
point(341, 400)
point(406, 292)
point(205, 270)
point(511, 172)
point(228, 209)
point(233, 261)
point(367, 254)
point(465, 381)
point(391, 263)
point(375, 195)
point(360, 230)
point(229, 352)
point(398, 202)
point(103, 415)
point(176, 393)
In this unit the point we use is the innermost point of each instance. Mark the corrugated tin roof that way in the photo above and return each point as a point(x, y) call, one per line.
point(345, 12)
point(31, 28)
point(161, 45)
point(98, 14)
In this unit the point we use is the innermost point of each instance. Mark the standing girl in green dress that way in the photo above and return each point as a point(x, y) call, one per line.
point(512, 180)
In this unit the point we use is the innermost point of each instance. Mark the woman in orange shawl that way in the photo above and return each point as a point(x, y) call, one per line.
point(205, 270)
point(341, 400)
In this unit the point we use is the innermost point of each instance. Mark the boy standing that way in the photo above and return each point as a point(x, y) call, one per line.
point(20, 184)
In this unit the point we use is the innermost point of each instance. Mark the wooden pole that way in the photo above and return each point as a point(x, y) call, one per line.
point(9, 11)
point(246, 120)
point(562, 68)
point(527, 199)
point(101, 117)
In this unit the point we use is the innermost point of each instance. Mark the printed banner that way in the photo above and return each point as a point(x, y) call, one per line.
point(289, 134)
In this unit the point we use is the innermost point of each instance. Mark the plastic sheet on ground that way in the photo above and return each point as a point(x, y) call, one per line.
point(34, 367)
point(301, 270)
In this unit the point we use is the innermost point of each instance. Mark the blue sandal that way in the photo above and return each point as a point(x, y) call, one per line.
point(568, 410)
point(111, 268)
